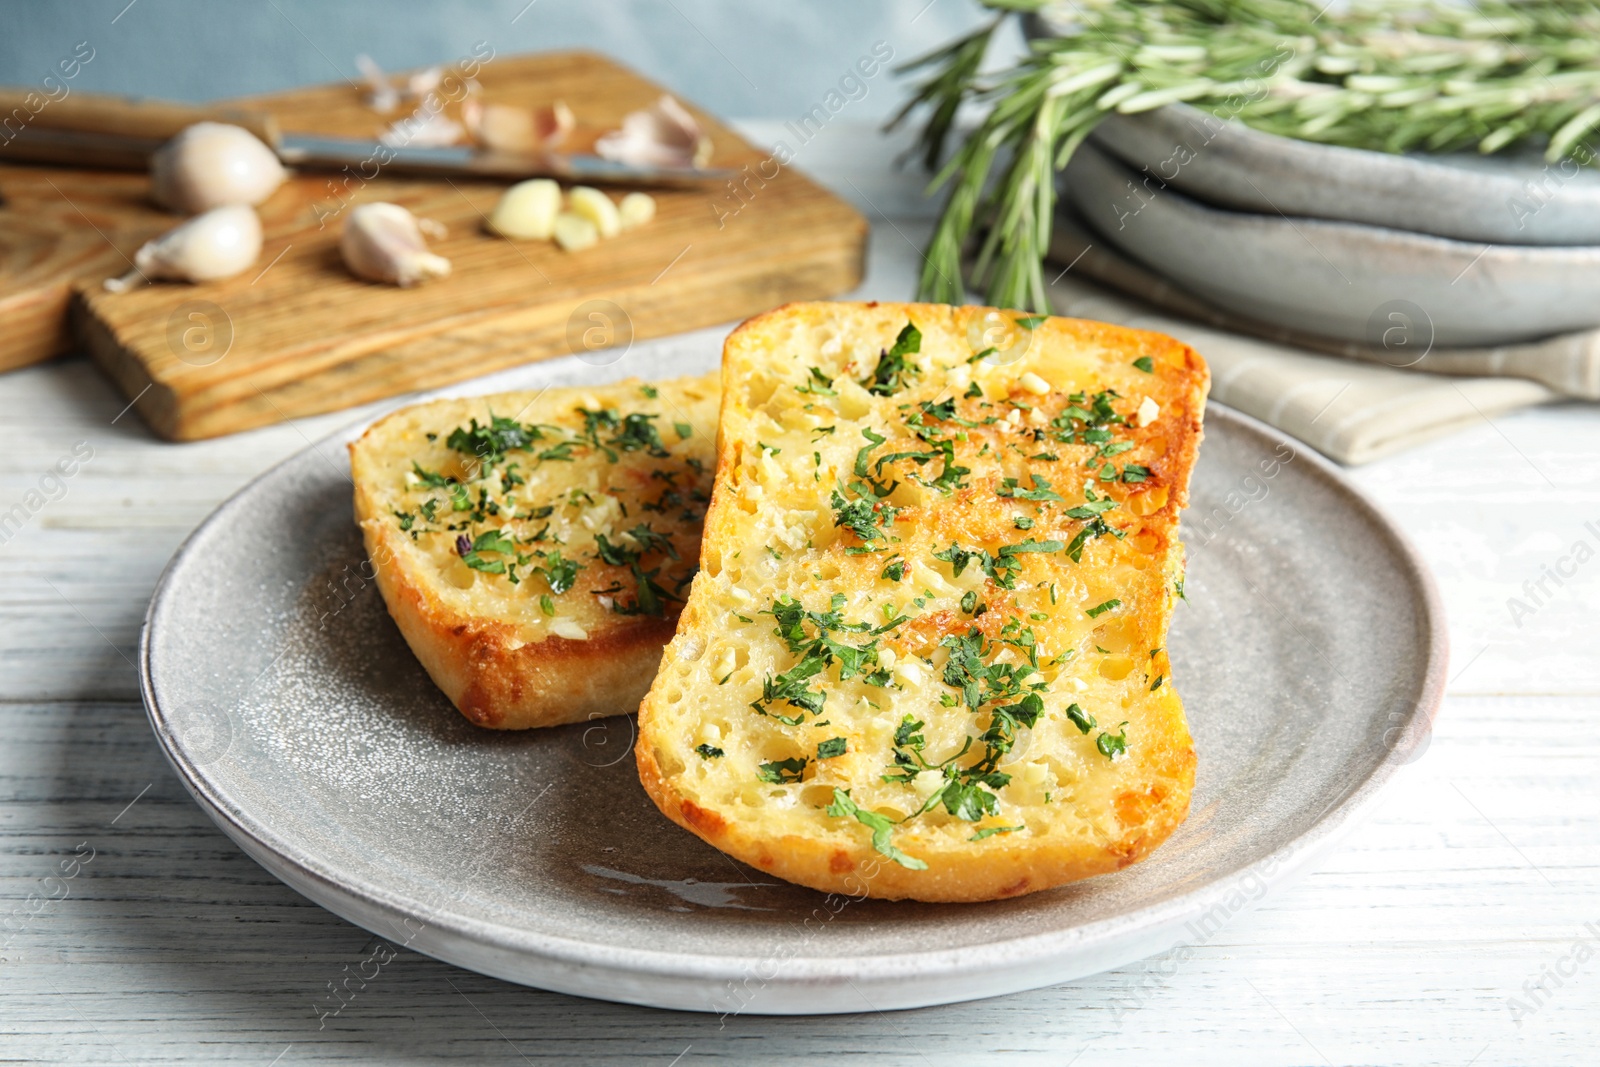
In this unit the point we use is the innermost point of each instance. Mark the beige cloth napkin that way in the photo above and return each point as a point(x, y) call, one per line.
point(1353, 406)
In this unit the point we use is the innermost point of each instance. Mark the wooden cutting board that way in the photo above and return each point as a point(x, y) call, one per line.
point(297, 334)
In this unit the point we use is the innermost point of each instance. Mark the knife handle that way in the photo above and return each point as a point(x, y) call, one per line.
point(88, 129)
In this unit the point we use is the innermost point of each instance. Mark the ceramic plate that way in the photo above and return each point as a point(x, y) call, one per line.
point(1310, 656)
point(1338, 279)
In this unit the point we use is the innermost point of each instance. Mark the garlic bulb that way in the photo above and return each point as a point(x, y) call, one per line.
point(383, 243)
point(212, 164)
point(218, 244)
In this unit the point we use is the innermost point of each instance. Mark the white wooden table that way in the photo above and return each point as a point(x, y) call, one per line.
point(1412, 944)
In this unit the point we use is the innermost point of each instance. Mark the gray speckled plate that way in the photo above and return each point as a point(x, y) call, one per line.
point(1512, 198)
point(1310, 655)
point(1338, 279)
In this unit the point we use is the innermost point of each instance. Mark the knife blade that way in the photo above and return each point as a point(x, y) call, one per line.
point(335, 153)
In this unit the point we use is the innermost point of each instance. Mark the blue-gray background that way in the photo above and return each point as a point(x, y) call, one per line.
point(757, 58)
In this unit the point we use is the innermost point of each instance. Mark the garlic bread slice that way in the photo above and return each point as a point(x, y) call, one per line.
point(925, 653)
point(535, 548)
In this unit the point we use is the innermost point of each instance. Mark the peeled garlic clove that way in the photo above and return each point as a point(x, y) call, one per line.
point(212, 164)
point(527, 210)
point(383, 243)
point(597, 207)
point(218, 244)
point(574, 233)
point(636, 209)
point(663, 135)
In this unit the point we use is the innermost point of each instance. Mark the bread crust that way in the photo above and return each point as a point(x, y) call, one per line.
point(492, 678)
point(839, 857)
point(484, 659)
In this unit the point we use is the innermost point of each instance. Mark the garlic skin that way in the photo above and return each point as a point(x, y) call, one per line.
point(218, 244)
point(597, 207)
point(527, 211)
point(383, 242)
point(213, 164)
point(662, 135)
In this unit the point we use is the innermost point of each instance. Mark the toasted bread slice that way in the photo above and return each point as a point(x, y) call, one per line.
point(534, 548)
point(924, 656)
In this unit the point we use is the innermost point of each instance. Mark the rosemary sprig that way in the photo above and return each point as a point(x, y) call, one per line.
point(1388, 75)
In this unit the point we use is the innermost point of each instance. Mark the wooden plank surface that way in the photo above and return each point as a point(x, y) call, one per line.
point(299, 335)
point(1404, 946)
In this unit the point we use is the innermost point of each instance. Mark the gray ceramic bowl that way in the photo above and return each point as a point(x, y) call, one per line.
point(1311, 656)
point(1467, 196)
point(1337, 279)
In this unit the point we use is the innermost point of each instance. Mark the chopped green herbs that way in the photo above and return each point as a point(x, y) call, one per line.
point(1080, 718)
point(1146, 364)
point(893, 371)
point(816, 651)
point(817, 384)
point(833, 746)
point(490, 443)
point(882, 828)
point(990, 831)
point(1100, 609)
point(709, 751)
point(867, 519)
point(432, 479)
point(558, 572)
point(1112, 745)
point(784, 771)
point(1041, 490)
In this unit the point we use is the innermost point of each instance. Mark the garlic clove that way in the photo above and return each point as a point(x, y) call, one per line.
point(636, 209)
point(553, 123)
point(662, 135)
point(518, 130)
point(218, 244)
point(212, 164)
point(574, 233)
point(527, 210)
point(383, 242)
point(597, 207)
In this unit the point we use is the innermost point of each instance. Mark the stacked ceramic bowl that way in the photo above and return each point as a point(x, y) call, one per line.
point(1337, 241)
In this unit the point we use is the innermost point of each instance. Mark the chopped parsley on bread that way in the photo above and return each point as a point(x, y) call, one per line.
point(535, 548)
point(924, 656)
